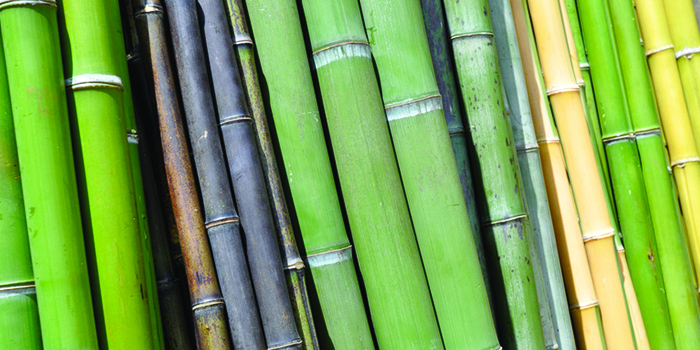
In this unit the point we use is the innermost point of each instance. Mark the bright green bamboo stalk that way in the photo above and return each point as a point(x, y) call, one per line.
point(19, 318)
point(113, 240)
point(35, 76)
point(503, 215)
point(626, 175)
point(663, 203)
point(531, 170)
point(426, 160)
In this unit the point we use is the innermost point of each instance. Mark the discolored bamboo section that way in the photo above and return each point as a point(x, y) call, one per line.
point(294, 266)
point(35, 77)
point(596, 226)
point(207, 302)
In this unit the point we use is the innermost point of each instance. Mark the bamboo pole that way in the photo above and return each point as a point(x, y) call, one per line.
point(668, 230)
point(221, 219)
point(674, 117)
point(585, 310)
point(206, 299)
point(19, 320)
point(530, 165)
point(503, 215)
point(294, 266)
point(443, 65)
point(587, 186)
point(35, 76)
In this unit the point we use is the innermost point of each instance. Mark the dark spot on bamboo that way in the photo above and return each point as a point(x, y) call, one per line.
point(507, 142)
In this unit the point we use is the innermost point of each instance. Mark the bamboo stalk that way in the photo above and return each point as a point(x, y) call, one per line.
point(503, 213)
point(35, 77)
point(595, 222)
point(221, 219)
point(530, 165)
point(294, 266)
point(668, 230)
point(246, 175)
point(585, 310)
point(19, 320)
point(441, 53)
point(206, 299)
point(674, 117)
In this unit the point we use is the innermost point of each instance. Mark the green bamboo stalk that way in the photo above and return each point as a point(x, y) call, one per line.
point(626, 175)
point(35, 76)
point(530, 166)
point(663, 202)
point(113, 241)
point(294, 266)
point(19, 319)
point(421, 140)
point(441, 52)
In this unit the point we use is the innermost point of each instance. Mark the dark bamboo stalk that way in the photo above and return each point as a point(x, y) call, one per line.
point(294, 266)
point(221, 218)
point(248, 183)
point(207, 302)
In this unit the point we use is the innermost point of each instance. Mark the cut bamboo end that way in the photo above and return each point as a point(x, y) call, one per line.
point(687, 52)
point(337, 52)
point(19, 3)
point(88, 81)
point(413, 108)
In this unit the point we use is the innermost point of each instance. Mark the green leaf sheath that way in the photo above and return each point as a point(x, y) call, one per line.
point(443, 64)
point(503, 216)
point(663, 204)
point(19, 319)
point(35, 76)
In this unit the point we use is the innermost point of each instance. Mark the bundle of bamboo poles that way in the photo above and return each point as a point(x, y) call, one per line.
point(351, 174)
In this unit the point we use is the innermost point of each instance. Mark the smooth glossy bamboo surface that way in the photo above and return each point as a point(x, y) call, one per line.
point(294, 266)
point(35, 76)
point(597, 229)
point(207, 302)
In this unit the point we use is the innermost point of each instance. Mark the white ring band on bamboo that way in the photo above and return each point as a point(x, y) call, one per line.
point(548, 140)
point(413, 108)
point(561, 89)
point(20, 287)
point(647, 133)
point(86, 81)
point(658, 49)
point(207, 304)
point(593, 303)
point(598, 235)
point(15, 3)
point(683, 161)
point(618, 138)
point(458, 36)
point(240, 39)
point(498, 222)
point(584, 65)
point(530, 147)
point(330, 54)
point(149, 9)
point(294, 343)
point(234, 119)
point(221, 222)
point(581, 83)
point(330, 257)
point(687, 52)
point(132, 137)
point(297, 264)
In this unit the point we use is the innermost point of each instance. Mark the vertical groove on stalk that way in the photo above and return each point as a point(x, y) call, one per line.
point(207, 302)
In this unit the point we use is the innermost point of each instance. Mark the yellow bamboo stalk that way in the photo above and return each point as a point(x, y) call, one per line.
point(583, 303)
point(675, 120)
point(640, 332)
point(567, 105)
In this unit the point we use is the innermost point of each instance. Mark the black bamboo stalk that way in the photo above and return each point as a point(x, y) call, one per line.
point(221, 219)
point(205, 295)
point(248, 182)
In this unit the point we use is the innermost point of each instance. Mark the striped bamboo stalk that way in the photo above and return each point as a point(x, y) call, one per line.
point(595, 222)
point(441, 52)
point(35, 76)
point(503, 215)
point(221, 219)
point(206, 299)
point(682, 305)
point(417, 123)
point(530, 164)
point(19, 320)
point(685, 36)
point(294, 266)
point(626, 174)
point(113, 239)
point(585, 311)
point(246, 175)
point(674, 117)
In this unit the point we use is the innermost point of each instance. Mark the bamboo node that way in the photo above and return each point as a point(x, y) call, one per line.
point(658, 49)
point(548, 140)
point(288, 345)
point(562, 89)
point(336, 52)
point(241, 39)
point(584, 65)
point(234, 119)
point(598, 235)
point(618, 138)
point(688, 52)
point(221, 222)
point(132, 137)
point(497, 222)
point(149, 9)
point(18, 287)
point(459, 36)
point(412, 108)
point(86, 81)
point(207, 304)
point(132, 56)
point(528, 148)
point(683, 161)
point(16, 3)
point(646, 133)
point(588, 305)
point(329, 257)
